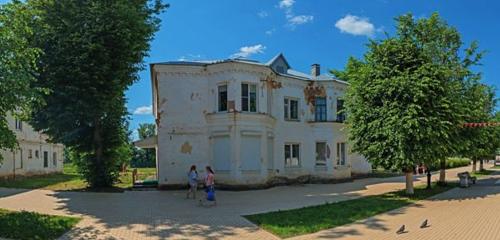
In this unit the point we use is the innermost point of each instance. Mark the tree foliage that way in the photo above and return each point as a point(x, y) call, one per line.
point(480, 143)
point(93, 51)
point(404, 99)
point(144, 157)
point(17, 66)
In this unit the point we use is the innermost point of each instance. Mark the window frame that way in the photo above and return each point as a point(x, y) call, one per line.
point(45, 159)
point(18, 124)
point(321, 162)
point(320, 110)
point(341, 153)
point(341, 117)
point(288, 161)
point(219, 106)
point(287, 108)
point(248, 97)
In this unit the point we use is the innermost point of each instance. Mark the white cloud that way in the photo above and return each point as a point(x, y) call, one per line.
point(262, 14)
point(270, 31)
point(286, 3)
point(190, 57)
point(144, 110)
point(292, 19)
point(246, 51)
point(355, 25)
point(301, 19)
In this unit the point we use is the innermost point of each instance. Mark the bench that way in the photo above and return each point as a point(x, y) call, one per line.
point(466, 179)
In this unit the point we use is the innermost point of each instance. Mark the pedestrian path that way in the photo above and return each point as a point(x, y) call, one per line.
point(470, 213)
point(167, 215)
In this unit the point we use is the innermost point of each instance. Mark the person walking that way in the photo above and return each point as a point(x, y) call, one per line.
point(192, 182)
point(210, 185)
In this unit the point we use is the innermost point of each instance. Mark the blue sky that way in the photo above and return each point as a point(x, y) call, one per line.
point(319, 31)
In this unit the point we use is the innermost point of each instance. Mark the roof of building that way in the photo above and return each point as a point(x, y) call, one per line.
point(289, 72)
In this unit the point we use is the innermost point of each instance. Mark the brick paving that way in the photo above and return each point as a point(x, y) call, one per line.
point(167, 215)
point(471, 213)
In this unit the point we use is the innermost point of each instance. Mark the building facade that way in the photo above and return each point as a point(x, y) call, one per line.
point(34, 155)
point(252, 122)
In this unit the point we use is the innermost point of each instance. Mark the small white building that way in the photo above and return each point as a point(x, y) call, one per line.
point(34, 156)
point(255, 123)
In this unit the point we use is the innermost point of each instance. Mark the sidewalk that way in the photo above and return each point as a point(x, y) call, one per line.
point(471, 213)
point(167, 215)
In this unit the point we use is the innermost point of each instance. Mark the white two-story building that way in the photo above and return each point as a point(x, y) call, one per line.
point(34, 154)
point(252, 122)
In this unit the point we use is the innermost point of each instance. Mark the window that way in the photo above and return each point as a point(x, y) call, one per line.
point(45, 159)
point(320, 109)
point(30, 153)
point(292, 153)
point(280, 69)
point(341, 155)
point(340, 110)
point(36, 154)
point(222, 100)
point(21, 157)
point(248, 97)
point(54, 158)
point(291, 109)
point(19, 125)
point(320, 153)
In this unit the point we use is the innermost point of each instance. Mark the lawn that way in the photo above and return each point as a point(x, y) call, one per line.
point(483, 173)
point(306, 220)
point(30, 225)
point(69, 179)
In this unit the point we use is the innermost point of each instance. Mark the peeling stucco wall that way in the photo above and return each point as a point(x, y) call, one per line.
point(311, 91)
point(191, 131)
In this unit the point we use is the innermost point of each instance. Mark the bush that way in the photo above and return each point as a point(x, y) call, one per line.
point(455, 162)
point(452, 162)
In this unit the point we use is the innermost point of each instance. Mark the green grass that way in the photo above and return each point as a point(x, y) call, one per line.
point(482, 173)
point(70, 179)
point(30, 225)
point(306, 220)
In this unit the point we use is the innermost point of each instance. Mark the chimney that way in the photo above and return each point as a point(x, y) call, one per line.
point(315, 70)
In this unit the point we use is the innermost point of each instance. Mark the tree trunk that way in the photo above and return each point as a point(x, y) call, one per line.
point(474, 165)
point(481, 167)
point(98, 180)
point(442, 171)
point(409, 182)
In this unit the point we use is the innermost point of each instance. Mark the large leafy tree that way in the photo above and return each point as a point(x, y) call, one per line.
point(404, 102)
point(17, 66)
point(93, 51)
point(479, 143)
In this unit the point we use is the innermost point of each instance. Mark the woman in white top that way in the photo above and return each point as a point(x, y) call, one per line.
point(192, 182)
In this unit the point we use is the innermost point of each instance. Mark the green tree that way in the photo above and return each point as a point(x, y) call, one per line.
point(479, 143)
point(17, 65)
point(93, 51)
point(403, 101)
point(144, 157)
point(146, 130)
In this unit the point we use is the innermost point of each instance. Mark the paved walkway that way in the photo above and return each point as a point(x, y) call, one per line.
point(471, 213)
point(167, 215)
